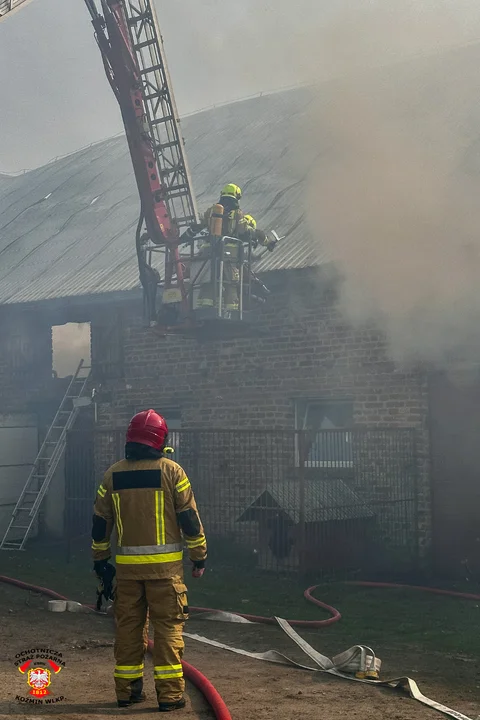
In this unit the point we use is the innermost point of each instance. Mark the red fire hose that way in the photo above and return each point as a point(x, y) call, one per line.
point(212, 696)
point(335, 615)
point(435, 591)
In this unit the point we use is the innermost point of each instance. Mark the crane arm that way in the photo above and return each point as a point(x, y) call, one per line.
point(131, 46)
point(111, 32)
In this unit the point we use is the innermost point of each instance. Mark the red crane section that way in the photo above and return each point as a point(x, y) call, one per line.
point(134, 60)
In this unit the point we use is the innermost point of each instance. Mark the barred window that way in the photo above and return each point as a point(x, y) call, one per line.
point(326, 441)
point(19, 354)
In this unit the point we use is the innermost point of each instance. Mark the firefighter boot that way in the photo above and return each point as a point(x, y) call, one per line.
point(136, 694)
point(167, 707)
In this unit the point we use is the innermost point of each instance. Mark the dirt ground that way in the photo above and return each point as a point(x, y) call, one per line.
point(251, 689)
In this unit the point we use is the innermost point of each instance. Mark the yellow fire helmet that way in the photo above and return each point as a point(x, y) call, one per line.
point(232, 191)
point(250, 221)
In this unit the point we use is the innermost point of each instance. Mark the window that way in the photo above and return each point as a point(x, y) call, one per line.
point(322, 423)
point(19, 352)
point(70, 344)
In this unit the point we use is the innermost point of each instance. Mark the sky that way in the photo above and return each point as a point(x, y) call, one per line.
point(59, 99)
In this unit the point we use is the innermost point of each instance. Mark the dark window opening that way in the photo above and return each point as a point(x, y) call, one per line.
point(107, 347)
point(19, 352)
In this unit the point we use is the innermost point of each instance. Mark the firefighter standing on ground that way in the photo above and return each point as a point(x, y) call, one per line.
point(226, 219)
point(149, 499)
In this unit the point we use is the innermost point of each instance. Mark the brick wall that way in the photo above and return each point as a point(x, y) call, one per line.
point(305, 349)
point(308, 350)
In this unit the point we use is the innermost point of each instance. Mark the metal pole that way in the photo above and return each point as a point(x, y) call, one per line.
point(220, 279)
point(301, 522)
point(240, 289)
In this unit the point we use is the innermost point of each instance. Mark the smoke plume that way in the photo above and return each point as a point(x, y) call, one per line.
point(395, 197)
point(71, 343)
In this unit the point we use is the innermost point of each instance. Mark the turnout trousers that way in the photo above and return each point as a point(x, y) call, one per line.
point(163, 603)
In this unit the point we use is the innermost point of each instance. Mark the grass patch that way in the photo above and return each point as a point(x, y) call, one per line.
point(383, 618)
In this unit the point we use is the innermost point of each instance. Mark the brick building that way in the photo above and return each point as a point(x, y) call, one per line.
point(379, 433)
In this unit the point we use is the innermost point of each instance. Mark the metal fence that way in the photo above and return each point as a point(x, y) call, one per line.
point(329, 504)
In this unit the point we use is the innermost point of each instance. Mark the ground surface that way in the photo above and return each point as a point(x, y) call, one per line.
point(432, 639)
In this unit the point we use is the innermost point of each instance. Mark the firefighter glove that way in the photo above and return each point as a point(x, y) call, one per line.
point(105, 573)
point(198, 568)
point(271, 244)
point(191, 231)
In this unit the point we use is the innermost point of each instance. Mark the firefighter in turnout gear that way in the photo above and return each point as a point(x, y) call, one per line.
point(225, 219)
point(259, 237)
point(149, 500)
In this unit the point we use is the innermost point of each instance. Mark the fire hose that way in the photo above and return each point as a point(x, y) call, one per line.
point(202, 683)
point(213, 697)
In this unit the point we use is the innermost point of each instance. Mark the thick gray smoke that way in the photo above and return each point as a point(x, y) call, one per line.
point(396, 195)
point(71, 343)
point(59, 98)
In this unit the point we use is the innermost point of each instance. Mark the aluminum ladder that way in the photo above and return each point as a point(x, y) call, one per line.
point(45, 465)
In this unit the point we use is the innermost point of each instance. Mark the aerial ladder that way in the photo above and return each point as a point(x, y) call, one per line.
point(131, 46)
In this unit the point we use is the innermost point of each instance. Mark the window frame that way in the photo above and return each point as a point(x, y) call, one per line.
point(303, 404)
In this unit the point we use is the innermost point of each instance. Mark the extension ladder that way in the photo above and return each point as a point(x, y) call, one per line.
point(45, 465)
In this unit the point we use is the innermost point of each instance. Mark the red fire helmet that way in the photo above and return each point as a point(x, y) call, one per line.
point(148, 428)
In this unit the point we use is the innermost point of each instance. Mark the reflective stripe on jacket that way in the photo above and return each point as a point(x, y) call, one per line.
point(152, 506)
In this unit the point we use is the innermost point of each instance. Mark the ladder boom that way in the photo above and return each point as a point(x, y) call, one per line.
point(134, 59)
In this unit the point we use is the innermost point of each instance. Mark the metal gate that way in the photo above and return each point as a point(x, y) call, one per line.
point(333, 503)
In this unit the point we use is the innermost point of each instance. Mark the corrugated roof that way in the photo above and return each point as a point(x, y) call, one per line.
point(67, 229)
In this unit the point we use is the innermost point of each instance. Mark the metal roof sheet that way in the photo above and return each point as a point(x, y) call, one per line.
point(67, 229)
point(324, 500)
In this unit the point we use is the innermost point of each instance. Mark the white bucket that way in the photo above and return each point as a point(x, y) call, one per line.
point(57, 605)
